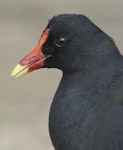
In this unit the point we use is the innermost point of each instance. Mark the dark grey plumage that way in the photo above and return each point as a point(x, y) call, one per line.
point(87, 110)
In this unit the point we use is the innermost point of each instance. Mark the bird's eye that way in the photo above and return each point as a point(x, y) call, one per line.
point(60, 42)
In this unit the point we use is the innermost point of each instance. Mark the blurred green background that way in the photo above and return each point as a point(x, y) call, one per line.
point(25, 103)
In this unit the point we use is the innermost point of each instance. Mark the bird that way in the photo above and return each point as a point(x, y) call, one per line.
point(87, 110)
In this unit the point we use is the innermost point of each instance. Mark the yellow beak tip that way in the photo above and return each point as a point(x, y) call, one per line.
point(19, 71)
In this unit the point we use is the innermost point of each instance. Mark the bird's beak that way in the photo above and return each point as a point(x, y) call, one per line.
point(34, 60)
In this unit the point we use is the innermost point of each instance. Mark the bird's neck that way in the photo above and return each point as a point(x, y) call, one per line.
point(93, 82)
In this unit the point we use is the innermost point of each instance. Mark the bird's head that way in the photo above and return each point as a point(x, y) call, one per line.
point(67, 43)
